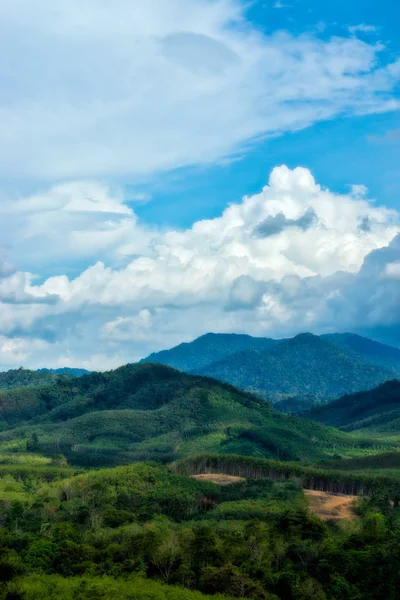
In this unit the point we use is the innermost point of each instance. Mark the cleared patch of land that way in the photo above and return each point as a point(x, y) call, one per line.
point(331, 506)
point(219, 478)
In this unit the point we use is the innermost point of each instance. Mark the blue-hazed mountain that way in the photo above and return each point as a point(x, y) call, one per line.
point(207, 349)
point(305, 369)
point(374, 352)
point(305, 364)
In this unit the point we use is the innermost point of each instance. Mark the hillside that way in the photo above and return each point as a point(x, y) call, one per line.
point(75, 372)
point(140, 412)
point(16, 378)
point(377, 409)
point(208, 348)
point(306, 364)
point(366, 349)
point(148, 532)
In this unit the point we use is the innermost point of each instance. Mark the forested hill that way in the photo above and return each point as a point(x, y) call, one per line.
point(376, 410)
point(306, 364)
point(16, 378)
point(214, 347)
point(140, 412)
point(374, 352)
point(19, 378)
point(75, 372)
point(208, 348)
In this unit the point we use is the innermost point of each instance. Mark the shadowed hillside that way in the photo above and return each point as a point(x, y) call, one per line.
point(377, 409)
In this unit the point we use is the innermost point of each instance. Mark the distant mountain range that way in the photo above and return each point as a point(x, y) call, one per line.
point(209, 348)
point(306, 366)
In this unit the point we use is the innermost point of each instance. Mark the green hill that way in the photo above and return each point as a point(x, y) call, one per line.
point(16, 378)
point(208, 348)
point(377, 409)
point(304, 365)
point(74, 371)
point(140, 412)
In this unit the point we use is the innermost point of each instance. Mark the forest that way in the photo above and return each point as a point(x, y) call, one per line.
point(103, 495)
point(142, 531)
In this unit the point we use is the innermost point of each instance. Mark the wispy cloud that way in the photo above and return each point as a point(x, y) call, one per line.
point(132, 89)
point(362, 28)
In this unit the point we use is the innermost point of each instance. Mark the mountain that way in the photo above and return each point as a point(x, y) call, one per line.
point(374, 410)
point(208, 348)
point(154, 412)
point(366, 349)
point(306, 364)
point(75, 372)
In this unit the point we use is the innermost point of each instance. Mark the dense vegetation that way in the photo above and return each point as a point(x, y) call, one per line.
point(374, 352)
point(305, 364)
point(16, 378)
point(306, 369)
point(311, 478)
point(207, 349)
point(142, 412)
point(141, 532)
point(373, 410)
point(75, 372)
point(150, 531)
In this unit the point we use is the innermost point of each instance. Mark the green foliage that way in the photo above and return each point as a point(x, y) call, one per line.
point(142, 532)
point(374, 352)
point(152, 412)
point(305, 365)
point(16, 378)
point(53, 587)
point(374, 410)
point(326, 480)
point(207, 349)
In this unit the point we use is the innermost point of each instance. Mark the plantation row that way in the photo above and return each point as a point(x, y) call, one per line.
point(307, 477)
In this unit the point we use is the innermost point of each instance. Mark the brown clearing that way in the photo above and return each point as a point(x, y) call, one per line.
point(331, 506)
point(324, 504)
point(218, 478)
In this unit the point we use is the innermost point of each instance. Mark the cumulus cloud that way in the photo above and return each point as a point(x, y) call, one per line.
point(78, 100)
point(327, 261)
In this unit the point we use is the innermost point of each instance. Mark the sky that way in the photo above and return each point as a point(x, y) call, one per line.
point(174, 167)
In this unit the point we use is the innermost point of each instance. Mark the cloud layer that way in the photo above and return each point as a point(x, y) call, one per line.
point(133, 88)
point(294, 257)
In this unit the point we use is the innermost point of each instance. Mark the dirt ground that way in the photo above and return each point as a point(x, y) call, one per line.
point(218, 478)
point(331, 506)
point(324, 504)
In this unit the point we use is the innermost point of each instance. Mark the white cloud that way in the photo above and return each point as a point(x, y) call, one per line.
point(295, 256)
point(132, 88)
point(359, 190)
point(362, 28)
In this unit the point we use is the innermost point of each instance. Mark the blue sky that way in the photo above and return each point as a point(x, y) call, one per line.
point(357, 144)
point(151, 149)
